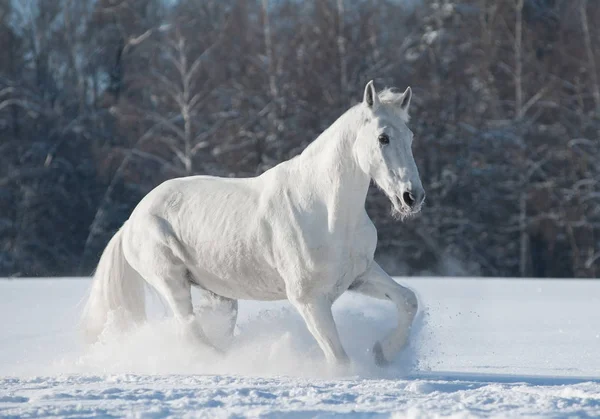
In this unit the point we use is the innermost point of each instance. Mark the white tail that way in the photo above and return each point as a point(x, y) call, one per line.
point(117, 294)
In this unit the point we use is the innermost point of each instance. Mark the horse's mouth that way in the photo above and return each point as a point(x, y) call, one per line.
point(402, 211)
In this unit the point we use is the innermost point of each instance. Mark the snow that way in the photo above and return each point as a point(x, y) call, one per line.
point(489, 347)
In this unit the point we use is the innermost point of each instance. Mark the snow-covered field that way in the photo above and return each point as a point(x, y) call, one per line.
point(482, 348)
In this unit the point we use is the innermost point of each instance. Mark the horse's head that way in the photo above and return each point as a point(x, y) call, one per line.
point(383, 149)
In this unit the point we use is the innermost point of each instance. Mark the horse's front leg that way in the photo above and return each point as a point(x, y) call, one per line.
point(378, 284)
point(317, 314)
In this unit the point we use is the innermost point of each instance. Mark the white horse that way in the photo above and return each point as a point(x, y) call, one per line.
point(298, 231)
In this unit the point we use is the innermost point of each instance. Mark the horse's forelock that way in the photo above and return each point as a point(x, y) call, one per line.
point(393, 97)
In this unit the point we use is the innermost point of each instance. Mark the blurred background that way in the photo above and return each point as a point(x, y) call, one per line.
point(101, 100)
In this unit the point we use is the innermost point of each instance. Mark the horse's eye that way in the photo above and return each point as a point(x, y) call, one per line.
point(384, 139)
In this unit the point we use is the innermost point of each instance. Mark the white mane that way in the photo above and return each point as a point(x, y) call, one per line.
point(391, 96)
point(354, 117)
point(340, 132)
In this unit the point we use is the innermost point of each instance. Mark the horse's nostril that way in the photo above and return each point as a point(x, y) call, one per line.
point(408, 199)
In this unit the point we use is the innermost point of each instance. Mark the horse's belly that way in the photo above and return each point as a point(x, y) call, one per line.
point(246, 284)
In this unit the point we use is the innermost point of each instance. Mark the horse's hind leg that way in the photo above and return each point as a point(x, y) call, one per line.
point(378, 284)
point(155, 260)
point(176, 291)
point(178, 295)
point(217, 316)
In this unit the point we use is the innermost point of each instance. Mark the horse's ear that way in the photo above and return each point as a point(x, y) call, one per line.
point(405, 101)
point(371, 98)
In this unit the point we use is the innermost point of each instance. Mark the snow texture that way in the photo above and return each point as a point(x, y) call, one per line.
point(500, 348)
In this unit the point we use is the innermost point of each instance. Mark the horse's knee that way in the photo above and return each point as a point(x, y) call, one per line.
point(213, 303)
point(407, 301)
point(411, 301)
point(217, 316)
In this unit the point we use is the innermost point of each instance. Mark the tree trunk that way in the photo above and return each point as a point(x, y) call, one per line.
point(524, 241)
point(590, 54)
point(518, 47)
point(341, 44)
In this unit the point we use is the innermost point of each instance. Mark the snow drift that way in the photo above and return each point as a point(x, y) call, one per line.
point(488, 347)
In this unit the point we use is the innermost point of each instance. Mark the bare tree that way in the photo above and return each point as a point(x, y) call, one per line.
point(187, 94)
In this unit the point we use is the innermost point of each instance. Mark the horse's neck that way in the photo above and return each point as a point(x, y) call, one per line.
point(334, 173)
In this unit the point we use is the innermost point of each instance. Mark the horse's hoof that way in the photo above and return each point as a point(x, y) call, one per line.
point(380, 360)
